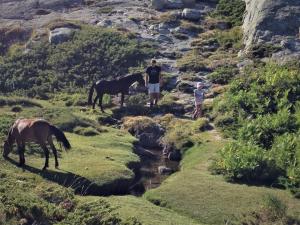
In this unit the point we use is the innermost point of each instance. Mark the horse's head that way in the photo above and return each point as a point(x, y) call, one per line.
point(140, 79)
point(7, 148)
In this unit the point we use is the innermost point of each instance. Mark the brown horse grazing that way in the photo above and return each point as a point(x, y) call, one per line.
point(114, 87)
point(34, 130)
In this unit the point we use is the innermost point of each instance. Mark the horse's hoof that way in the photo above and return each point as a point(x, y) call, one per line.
point(44, 168)
point(57, 167)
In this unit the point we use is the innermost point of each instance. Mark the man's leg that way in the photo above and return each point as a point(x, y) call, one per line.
point(152, 97)
point(157, 93)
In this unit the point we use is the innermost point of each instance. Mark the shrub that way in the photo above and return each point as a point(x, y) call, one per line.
point(223, 75)
point(232, 38)
point(243, 161)
point(263, 129)
point(231, 10)
point(260, 109)
point(16, 109)
point(91, 55)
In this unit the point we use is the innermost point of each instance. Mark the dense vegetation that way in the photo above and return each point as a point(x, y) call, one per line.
point(92, 54)
point(231, 10)
point(261, 112)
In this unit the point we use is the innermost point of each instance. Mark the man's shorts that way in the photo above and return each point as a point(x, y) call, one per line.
point(154, 88)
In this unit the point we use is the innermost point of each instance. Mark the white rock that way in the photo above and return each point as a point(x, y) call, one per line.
point(191, 14)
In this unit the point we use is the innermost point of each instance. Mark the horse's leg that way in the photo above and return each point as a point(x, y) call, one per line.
point(46, 151)
point(122, 99)
point(95, 101)
point(100, 102)
point(50, 141)
point(21, 150)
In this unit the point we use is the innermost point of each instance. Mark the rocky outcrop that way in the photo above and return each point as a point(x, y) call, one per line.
point(60, 35)
point(271, 21)
point(172, 4)
point(26, 9)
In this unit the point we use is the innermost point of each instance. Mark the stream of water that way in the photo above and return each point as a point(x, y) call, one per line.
point(148, 175)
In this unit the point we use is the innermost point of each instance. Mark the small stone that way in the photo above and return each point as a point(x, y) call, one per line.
point(163, 170)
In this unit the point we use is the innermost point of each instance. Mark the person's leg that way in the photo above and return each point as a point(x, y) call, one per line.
point(199, 110)
point(157, 93)
point(151, 94)
point(195, 113)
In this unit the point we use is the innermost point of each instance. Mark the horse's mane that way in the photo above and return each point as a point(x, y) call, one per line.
point(130, 76)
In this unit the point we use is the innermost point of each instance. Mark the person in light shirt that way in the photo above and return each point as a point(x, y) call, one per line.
point(199, 96)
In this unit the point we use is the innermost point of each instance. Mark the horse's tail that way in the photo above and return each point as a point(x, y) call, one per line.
point(60, 136)
point(91, 94)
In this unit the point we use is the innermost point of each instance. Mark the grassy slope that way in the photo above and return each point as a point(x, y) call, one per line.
point(146, 212)
point(209, 199)
point(101, 159)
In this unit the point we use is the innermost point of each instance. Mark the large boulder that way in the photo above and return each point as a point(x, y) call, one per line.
point(60, 35)
point(158, 4)
point(191, 14)
point(26, 9)
point(174, 4)
point(189, 3)
point(270, 21)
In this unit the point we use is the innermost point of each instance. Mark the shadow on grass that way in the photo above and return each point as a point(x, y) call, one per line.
point(79, 184)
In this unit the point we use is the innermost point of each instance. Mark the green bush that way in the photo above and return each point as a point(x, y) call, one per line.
point(91, 55)
point(223, 75)
point(231, 10)
point(263, 129)
point(260, 109)
point(232, 38)
point(247, 162)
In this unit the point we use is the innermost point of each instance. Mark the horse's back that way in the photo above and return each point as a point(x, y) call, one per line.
point(29, 129)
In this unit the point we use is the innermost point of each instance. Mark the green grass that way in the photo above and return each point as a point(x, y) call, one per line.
point(208, 198)
point(146, 212)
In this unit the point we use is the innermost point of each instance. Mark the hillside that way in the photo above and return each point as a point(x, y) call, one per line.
point(133, 165)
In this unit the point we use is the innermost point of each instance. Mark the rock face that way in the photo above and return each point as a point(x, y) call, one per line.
point(60, 35)
point(26, 9)
point(270, 21)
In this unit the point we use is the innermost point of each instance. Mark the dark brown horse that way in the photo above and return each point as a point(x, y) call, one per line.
point(34, 130)
point(114, 87)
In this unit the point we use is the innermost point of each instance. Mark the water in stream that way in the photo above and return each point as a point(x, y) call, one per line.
point(148, 176)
